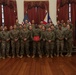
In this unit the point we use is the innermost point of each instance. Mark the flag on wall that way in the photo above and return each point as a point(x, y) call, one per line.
point(26, 18)
point(46, 19)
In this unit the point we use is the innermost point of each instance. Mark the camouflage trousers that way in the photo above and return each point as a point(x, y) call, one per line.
point(65, 44)
point(55, 48)
point(36, 46)
point(5, 48)
point(60, 46)
point(15, 47)
point(30, 46)
point(0, 50)
point(43, 48)
point(49, 48)
point(24, 47)
point(69, 46)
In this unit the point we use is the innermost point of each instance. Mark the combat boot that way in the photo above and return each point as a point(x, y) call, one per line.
point(40, 56)
point(21, 56)
point(3, 57)
point(13, 56)
point(47, 56)
point(51, 56)
point(33, 56)
point(28, 56)
point(18, 56)
point(61, 55)
point(57, 55)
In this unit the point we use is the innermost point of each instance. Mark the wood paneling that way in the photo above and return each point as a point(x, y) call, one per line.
point(37, 66)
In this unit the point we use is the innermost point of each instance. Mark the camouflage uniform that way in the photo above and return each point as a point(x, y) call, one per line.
point(65, 42)
point(30, 41)
point(69, 40)
point(0, 44)
point(36, 32)
point(5, 43)
point(8, 43)
point(55, 46)
point(60, 41)
point(71, 25)
point(33, 26)
point(43, 41)
point(14, 35)
point(64, 28)
point(47, 26)
point(24, 35)
point(56, 27)
point(50, 36)
point(27, 25)
point(18, 25)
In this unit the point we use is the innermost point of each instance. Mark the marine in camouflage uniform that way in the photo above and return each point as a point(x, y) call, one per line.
point(56, 26)
point(17, 23)
point(64, 28)
point(36, 43)
point(33, 24)
point(10, 31)
point(24, 36)
point(43, 40)
point(47, 26)
point(20, 29)
point(62, 22)
point(69, 39)
point(50, 38)
point(27, 24)
point(60, 40)
point(30, 39)
point(14, 35)
point(55, 46)
point(5, 42)
point(0, 43)
point(69, 23)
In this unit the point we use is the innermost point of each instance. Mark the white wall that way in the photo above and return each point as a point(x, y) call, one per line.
point(20, 10)
point(52, 9)
point(35, 0)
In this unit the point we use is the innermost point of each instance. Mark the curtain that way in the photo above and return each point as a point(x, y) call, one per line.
point(74, 21)
point(10, 14)
point(32, 15)
point(6, 16)
point(72, 1)
point(0, 16)
point(36, 14)
point(36, 10)
point(63, 13)
point(63, 2)
point(41, 14)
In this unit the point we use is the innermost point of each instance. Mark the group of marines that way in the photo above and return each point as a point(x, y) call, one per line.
point(31, 39)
